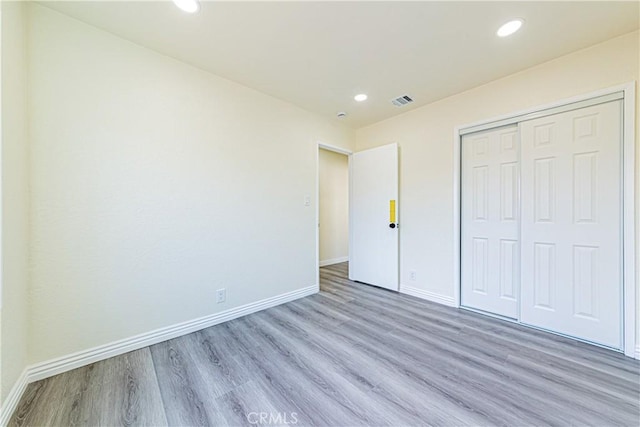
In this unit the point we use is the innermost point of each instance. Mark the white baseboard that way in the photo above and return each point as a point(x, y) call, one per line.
point(62, 364)
point(637, 355)
point(332, 261)
point(13, 398)
point(429, 296)
point(85, 357)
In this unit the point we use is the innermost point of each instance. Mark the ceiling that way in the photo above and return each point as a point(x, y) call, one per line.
point(318, 55)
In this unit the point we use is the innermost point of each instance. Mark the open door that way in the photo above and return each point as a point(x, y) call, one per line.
point(373, 245)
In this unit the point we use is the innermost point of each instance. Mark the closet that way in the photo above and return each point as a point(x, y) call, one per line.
point(541, 221)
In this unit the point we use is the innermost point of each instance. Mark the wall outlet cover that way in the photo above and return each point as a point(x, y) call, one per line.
point(221, 295)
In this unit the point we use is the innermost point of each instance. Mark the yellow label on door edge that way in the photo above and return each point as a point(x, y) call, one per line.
point(392, 211)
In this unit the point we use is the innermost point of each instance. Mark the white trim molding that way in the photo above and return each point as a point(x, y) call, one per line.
point(66, 363)
point(630, 283)
point(630, 289)
point(427, 295)
point(332, 261)
point(13, 398)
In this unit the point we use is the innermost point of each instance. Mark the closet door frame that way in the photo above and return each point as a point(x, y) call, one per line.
point(631, 348)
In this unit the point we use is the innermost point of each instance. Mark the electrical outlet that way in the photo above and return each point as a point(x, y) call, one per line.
point(412, 275)
point(221, 296)
point(307, 200)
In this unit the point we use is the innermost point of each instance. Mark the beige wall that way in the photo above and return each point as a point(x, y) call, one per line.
point(154, 184)
point(334, 207)
point(13, 317)
point(425, 136)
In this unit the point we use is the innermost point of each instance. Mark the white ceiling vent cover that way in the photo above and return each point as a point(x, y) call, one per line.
point(402, 101)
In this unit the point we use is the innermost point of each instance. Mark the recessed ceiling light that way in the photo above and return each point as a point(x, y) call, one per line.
point(360, 97)
point(189, 6)
point(510, 28)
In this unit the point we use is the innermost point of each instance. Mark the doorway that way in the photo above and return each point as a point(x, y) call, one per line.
point(333, 207)
point(371, 185)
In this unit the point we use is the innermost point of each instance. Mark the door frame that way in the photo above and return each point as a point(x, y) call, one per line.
point(630, 282)
point(324, 146)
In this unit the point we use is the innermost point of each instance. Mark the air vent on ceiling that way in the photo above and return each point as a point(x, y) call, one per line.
point(402, 101)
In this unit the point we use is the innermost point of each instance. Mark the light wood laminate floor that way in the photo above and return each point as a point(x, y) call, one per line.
point(351, 355)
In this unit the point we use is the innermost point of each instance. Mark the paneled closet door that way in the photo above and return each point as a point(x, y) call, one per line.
point(571, 223)
point(490, 221)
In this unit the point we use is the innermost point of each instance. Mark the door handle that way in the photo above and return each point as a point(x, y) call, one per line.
point(392, 214)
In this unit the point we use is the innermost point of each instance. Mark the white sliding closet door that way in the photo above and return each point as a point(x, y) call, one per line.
point(571, 223)
point(490, 221)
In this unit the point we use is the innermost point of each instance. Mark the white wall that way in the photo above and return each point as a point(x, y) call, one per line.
point(425, 136)
point(334, 206)
point(14, 315)
point(154, 184)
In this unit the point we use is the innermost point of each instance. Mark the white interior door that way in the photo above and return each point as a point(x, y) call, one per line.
point(571, 223)
point(373, 245)
point(490, 221)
